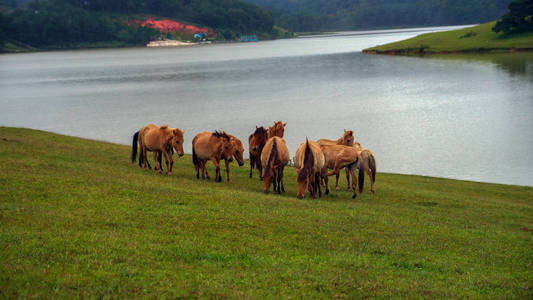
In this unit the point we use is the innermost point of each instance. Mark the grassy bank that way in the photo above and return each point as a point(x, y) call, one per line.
point(479, 38)
point(77, 219)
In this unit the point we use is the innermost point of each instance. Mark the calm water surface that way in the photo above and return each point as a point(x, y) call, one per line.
point(467, 117)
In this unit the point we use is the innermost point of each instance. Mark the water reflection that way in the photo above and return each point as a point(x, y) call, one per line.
point(515, 64)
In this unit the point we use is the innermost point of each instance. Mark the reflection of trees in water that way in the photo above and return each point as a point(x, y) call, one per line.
point(513, 63)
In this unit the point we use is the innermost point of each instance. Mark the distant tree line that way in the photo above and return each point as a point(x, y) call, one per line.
point(314, 15)
point(64, 23)
point(518, 19)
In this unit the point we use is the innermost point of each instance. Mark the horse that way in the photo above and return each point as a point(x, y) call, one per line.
point(159, 140)
point(238, 150)
point(274, 158)
point(338, 157)
point(347, 139)
point(367, 163)
point(278, 129)
point(256, 142)
point(309, 162)
point(211, 146)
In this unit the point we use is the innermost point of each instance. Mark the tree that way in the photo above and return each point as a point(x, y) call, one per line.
point(518, 19)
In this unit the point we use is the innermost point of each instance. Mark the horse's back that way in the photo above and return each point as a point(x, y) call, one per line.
point(202, 145)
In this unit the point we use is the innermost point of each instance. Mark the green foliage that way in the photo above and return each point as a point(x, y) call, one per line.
point(78, 220)
point(518, 19)
point(360, 14)
point(472, 39)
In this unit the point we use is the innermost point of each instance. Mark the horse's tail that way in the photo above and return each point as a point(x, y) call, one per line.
point(372, 165)
point(272, 157)
point(134, 147)
point(309, 159)
point(194, 157)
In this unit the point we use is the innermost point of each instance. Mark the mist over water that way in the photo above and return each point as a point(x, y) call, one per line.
point(467, 117)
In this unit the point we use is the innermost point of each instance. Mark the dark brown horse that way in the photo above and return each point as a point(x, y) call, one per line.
point(256, 142)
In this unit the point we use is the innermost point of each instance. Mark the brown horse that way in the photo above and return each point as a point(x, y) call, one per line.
point(211, 146)
point(238, 150)
point(338, 157)
point(256, 142)
point(309, 163)
point(157, 139)
point(274, 158)
point(278, 129)
point(347, 139)
point(367, 163)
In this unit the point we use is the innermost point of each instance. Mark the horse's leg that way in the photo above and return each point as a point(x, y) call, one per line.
point(259, 168)
point(145, 158)
point(348, 179)
point(281, 180)
point(168, 161)
point(227, 171)
point(275, 181)
point(197, 168)
point(325, 177)
point(252, 162)
point(218, 177)
point(157, 165)
point(337, 182)
point(354, 180)
point(204, 169)
point(369, 172)
point(317, 182)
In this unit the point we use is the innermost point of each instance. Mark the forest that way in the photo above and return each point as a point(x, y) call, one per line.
point(330, 15)
point(78, 23)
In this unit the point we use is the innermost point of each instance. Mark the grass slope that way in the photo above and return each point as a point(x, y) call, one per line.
point(479, 38)
point(77, 219)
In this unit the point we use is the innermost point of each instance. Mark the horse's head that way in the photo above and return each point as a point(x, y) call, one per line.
point(238, 150)
point(258, 139)
point(177, 140)
point(278, 129)
point(227, 147)
point(348, 137)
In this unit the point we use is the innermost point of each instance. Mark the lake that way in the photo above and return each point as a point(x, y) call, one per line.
point(465, 117)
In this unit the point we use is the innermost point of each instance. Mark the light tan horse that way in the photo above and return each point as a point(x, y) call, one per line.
point(347, 139)
point(157, 139)
point(274, 158)
point(211, 146)
point(309, 163)
point(256, 142)
point(338, 157)
point(278, 129)
point(367, 164)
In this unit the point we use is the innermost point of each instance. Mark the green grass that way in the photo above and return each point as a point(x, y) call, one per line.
point(77, 219)
point(473, 39)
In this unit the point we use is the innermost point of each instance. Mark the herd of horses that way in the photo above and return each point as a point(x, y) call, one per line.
point(268, 154)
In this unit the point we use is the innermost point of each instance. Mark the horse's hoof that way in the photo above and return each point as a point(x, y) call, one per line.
point(337, 188)
point(372, 192)
point(354, 195)
point(266, 191)
point(260, 178)
point(250, 175)
point(327, 192)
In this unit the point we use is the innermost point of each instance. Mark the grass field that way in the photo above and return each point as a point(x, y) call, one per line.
point(479, 38)
point(77, 219)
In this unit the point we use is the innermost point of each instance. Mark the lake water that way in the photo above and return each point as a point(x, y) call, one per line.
point(466, 117)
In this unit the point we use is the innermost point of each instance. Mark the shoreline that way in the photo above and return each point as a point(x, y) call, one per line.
point(422, 52)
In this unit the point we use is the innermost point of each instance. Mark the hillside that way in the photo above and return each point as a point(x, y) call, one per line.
point(322, 15)
point(57, 24)
point(479, 38)
point(77, 219)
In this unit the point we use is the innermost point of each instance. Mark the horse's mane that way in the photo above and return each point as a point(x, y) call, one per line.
point(259, 130)
point(222, 134)
point(348, 132)
point(163, 127)
point(309, 160)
